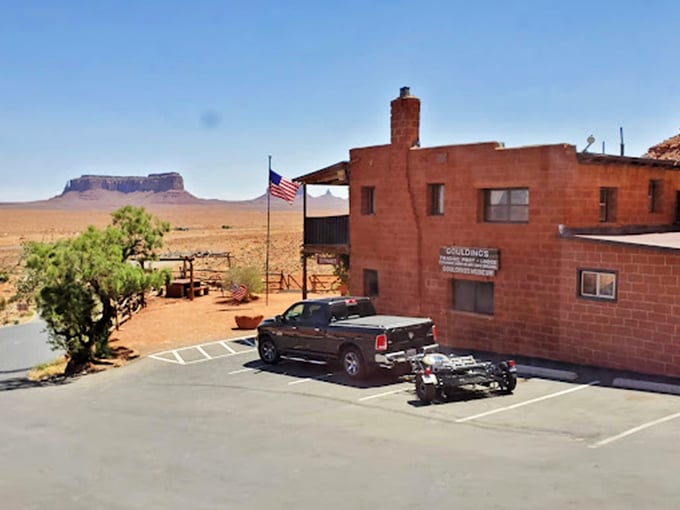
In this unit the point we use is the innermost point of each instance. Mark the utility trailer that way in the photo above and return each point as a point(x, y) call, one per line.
point(438, 375)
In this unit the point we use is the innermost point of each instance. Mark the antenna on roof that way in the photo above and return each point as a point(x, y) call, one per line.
point(591, 141)
point(622, 145)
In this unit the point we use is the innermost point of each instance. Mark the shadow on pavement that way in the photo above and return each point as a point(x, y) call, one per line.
point(23, 383)
point(320, 371)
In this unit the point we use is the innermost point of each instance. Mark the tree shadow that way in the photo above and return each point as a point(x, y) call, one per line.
point(24, 383)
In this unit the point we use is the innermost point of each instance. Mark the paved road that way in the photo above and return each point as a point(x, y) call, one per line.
point(21, 348)
point(215, 429)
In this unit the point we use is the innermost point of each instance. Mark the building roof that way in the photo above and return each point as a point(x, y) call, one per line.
point(334, 175)
point(591, 157)
point(666, 240)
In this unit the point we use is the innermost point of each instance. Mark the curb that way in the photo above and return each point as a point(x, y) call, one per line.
point(550, 373)
point(637, 384)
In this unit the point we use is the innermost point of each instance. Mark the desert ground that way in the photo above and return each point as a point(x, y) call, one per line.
point(206, 229)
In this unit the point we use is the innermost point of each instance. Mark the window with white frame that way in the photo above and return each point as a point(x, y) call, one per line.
point(597, 284)
point(510, 205)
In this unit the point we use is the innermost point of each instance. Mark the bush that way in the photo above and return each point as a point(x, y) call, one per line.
point(249, 276)
point(4, 275)
point(226, 227)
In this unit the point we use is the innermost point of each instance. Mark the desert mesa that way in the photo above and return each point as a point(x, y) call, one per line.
point(197, 225)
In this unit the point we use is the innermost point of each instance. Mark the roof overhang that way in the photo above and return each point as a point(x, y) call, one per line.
point(334, 175)
point(589, 157)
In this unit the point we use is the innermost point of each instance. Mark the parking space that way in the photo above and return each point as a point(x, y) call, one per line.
point(206, 352)
point(580, 412)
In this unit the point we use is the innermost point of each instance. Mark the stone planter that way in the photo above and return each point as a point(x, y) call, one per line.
point(247, 321)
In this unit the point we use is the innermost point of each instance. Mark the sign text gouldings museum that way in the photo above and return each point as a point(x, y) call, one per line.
point(469, 260)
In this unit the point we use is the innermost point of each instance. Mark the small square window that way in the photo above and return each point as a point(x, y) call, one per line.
point(368, 200)
point(435, 198)
point(596, 284)
point(370, 282)
point(473, 296)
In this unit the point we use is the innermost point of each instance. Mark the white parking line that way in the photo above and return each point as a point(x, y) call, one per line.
point(217, 357)
point(526, 402)
point(634, 430)
point(202, 351)
point(178, 357)
point(160, 356)
point(308, 379)
point(243, 370)
point(378, 395)
point(227, 346)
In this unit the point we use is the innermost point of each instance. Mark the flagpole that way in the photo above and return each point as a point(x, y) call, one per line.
point(266, 263)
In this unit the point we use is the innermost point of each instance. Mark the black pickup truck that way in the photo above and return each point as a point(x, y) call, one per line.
point(345, 329)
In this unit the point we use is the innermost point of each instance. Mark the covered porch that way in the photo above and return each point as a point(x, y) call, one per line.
point(324, 235)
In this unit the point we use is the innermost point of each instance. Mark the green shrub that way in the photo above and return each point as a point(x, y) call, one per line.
point(4, 275)
point(226, 227)
point(249, 276)
point(3, 304)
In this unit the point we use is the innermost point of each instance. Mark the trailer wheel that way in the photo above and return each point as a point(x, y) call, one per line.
point(508, 383)
point(268, 351)
point(426, 392)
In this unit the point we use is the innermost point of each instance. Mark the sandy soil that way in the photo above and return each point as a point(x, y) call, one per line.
point(167, 323)
point(170, 323)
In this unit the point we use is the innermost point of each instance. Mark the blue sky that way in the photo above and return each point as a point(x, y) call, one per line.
point(211, 88)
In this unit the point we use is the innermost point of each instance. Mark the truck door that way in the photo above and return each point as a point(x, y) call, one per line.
point(288, 336)
point(312, 328)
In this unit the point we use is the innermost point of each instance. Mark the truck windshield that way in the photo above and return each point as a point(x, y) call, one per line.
point(351, 309)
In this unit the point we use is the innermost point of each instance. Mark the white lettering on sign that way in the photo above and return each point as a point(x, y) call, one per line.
point(467, 260)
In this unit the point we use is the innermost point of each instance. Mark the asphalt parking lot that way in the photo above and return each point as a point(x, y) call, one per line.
point(212, 427)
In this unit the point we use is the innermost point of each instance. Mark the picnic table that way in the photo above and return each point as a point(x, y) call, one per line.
point(181, 287)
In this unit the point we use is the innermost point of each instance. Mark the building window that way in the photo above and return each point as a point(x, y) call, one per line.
point(368, 200)
point(435, 199)
point(506, 205)
point(654, 195)
point(597, 284)
point(370, 282)
point(472, 296)
point(607, 204)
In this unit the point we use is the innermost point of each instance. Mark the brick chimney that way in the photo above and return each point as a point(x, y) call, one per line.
point(405, 120)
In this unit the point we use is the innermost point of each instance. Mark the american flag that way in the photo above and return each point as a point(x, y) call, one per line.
point(238, 293)
point(281, 187)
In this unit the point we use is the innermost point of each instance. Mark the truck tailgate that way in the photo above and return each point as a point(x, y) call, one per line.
point(402, 332)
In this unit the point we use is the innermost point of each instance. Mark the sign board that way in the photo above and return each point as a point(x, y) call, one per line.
point(327, 259)
point(468, 260)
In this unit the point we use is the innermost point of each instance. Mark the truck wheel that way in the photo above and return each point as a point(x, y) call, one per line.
point(426, 392)
point(353, 363)
point(268, 351)
point(509, 382)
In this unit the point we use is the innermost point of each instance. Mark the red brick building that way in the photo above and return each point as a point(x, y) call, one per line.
point(537, 251)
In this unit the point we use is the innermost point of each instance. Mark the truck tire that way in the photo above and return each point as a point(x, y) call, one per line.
point(426, 392)
point(353, 363)
point(268, 351)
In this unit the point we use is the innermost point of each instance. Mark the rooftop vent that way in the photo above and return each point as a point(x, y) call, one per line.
point(404, 92)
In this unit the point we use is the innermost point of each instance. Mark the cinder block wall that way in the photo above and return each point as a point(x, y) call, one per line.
point(536, 309)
